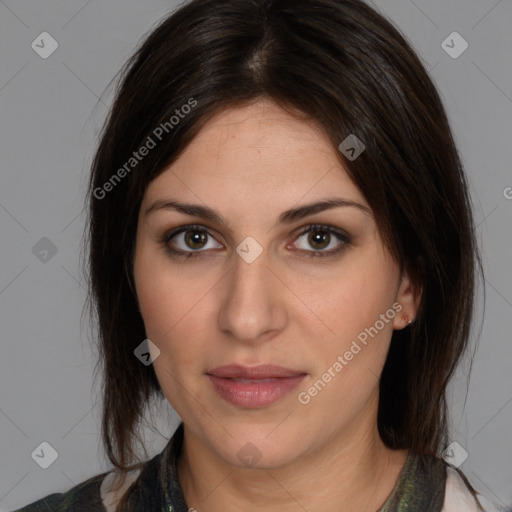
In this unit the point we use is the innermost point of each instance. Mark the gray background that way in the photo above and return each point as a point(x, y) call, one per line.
point(51, 111)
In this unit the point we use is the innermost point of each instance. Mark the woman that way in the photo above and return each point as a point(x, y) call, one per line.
point(281, 246)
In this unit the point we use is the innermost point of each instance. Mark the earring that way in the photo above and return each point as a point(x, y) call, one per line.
point(405, 318)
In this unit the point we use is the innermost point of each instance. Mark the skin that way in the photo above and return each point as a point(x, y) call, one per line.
point(249, 165)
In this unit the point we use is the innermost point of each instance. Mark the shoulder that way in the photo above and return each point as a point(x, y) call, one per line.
point(458, 497)
point(85, 496)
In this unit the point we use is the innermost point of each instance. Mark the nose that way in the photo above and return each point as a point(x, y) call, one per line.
point(252, 308)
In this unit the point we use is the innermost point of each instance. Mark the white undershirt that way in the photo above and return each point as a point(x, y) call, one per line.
point(457, 497)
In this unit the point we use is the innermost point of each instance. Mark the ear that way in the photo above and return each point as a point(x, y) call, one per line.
point(409, 297)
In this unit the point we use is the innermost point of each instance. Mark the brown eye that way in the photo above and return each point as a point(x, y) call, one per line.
point(189, 241)
point(321, 237)
point(195, 239)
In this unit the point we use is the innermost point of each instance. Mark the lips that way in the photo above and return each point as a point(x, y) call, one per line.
point(264, 371)
point(253, 387)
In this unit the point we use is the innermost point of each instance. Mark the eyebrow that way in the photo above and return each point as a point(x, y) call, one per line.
point(287, 217)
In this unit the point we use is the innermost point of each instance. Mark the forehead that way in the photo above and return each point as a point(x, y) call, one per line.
point(257, 156)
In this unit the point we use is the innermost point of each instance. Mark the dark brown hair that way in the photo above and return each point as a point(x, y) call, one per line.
point(343, 65)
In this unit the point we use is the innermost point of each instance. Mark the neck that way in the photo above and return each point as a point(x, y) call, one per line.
point(351, 472)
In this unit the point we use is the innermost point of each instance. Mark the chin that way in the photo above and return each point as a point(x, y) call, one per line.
point(260, 446)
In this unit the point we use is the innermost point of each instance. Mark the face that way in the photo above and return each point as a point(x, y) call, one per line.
point(314, 292)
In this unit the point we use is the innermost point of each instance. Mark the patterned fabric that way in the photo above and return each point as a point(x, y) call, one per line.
point(81, 498)
point(419, 488)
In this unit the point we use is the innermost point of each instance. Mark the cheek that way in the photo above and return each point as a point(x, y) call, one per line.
point(164, 293)
point(350, 305)
point(354, 297)
point(169, 322)
point(348, 363)
point(176, 308)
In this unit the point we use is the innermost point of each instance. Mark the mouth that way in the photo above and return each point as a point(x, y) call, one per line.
point(253, 387)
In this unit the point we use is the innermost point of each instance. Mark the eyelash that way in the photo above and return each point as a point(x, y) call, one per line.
point(342, 237)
